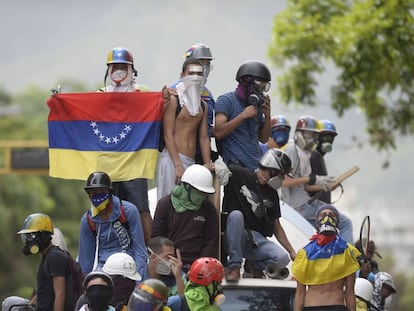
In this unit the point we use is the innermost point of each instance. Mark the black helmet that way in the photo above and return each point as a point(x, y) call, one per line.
point(98, 180)
point(98, 274)
point(253, 68)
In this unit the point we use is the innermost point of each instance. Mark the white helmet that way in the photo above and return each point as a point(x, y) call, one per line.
point(363, 289)
point(277, 159)
point(199, 177)
point(121, 264)
point(14, 303)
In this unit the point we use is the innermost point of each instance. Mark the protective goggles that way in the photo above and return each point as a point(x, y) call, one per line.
point(262, 86)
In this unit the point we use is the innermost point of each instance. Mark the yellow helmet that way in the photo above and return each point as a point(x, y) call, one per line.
point(37, 223)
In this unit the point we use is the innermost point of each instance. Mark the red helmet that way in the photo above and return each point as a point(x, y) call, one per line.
point(204, 270)
point(307, 123)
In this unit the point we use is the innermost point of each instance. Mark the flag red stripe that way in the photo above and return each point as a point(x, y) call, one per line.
point(106, 107)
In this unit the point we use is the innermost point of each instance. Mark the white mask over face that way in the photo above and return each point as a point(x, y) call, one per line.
point(120, 80)
point(189, 91)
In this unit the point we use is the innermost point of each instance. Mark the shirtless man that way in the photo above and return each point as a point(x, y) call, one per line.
point(184, 116)
point(325, 268)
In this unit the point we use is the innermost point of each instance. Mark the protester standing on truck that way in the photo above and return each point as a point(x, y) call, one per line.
point(325, 268)
point(252, 204)
point(184, 121)
point(120, 75)
point(109, 226)
point(243, 116)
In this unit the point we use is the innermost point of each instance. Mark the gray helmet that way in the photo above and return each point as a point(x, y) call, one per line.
point(98, 274)
point(254, 68)
point(276, 159)
point(199, 51)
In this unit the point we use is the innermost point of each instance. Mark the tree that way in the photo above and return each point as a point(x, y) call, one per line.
point(371, 44)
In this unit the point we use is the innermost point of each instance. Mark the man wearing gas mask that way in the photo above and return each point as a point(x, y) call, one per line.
point(184, 121)
point(295, 190)
point(53, 271)
point(251, 204)
point(243, 116)
point(325, 268)
point(327, 133)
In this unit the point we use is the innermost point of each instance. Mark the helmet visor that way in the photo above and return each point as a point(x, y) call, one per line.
point(138, 305)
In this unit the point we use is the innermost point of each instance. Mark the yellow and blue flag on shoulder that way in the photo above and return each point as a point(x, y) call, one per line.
point(117, 133)
point(320, 264)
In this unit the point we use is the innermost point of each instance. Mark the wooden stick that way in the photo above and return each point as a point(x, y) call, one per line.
point(337, 182)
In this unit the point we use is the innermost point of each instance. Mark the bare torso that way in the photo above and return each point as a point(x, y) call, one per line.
point(186, 127)
point(325, 294)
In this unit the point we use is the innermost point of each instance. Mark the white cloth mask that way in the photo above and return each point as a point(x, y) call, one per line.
point(189, 93)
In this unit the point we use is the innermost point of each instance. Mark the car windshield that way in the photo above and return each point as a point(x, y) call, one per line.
point(258, 298)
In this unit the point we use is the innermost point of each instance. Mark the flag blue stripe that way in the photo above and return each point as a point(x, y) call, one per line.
point(315, 251)
point(104, 136)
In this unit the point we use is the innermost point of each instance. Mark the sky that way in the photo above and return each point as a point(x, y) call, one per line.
point(45, 43)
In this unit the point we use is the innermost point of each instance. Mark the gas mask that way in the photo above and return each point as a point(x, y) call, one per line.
point(325, 143)
point(275, 182)
point(306, 140)
point(327, 225)
point(163, 267)
point(35, 242)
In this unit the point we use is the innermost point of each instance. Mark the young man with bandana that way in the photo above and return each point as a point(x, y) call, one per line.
point(327, 133)
point(120, 77)
point(325, 268)
point(296, 188)
point(104, 231)
point(251, 203)
point(202, 53)
point(184, 119)
point(188, 218)
point(243, 116)
point(279, 135)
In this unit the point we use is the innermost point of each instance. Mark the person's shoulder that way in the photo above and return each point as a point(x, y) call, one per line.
point(141, 88)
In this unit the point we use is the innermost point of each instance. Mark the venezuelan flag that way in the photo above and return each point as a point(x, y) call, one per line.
point(320, 264)
point(117, 133)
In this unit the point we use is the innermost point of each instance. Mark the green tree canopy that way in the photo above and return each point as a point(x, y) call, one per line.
point(370, 42)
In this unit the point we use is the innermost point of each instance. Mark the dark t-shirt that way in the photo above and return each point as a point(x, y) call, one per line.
point(54, 263)
point(319, 168)
point(194, 233)
point(244, 193)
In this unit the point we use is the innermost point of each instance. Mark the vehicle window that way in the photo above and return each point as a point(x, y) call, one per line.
point(266, 298)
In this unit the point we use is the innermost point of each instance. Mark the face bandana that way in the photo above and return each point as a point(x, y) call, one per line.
point(185, 198)
point(99, 202)
point(327, 225)
point(280, 137)
point(189, 90)
point(120, 80)
point(98, 297)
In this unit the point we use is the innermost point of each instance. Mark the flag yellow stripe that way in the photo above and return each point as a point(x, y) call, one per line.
point(120, 166)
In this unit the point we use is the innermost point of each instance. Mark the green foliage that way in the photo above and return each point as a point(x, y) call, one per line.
point(371, 44)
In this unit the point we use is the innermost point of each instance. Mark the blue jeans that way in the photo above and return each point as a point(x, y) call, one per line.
point(345, 224)
point(258, 249)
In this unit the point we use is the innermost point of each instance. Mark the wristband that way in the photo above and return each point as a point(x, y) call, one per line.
point(312, 179)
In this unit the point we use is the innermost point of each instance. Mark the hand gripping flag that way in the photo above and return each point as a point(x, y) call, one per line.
point(116, 133)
